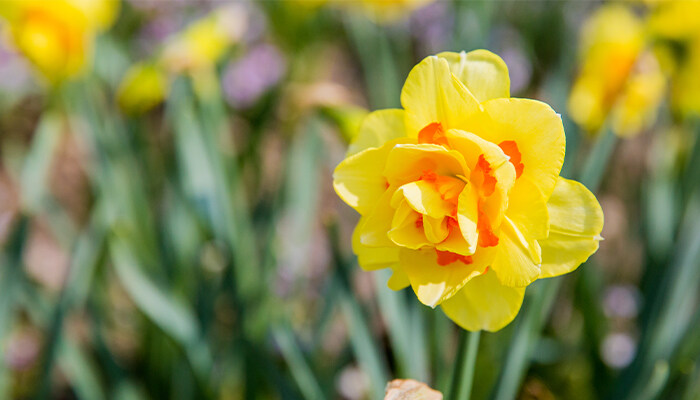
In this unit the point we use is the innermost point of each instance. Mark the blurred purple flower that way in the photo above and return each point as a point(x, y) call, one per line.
point(257, 24)
point(621, 301)
point(618, 349)
point(248, 78)
point(510, 45)
point(12, 64)
point(519, 68)
point(161, 26)
point(22, 350)
point(432, 26)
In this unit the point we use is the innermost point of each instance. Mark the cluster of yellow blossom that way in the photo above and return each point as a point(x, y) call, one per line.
point(385, 11)
point(195, 49)
point(57, 36)
point(678, 21)
point(380, 11)
point(620, 78)
point(460, 195)
point(626, 66)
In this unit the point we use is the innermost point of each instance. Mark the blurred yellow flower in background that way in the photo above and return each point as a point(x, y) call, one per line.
point(57, 36)
point(386, 11)
point(460, 195)
point(679, 21)
point(144, 86)
point(618, 76)
point(195, 50)
point(380, 11)
point(205, 41)
point(676, 19)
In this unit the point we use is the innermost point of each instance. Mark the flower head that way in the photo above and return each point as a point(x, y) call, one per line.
point(144, 86)
point(679, 22)
point(205, 41)
point(57, 36)
point(619, 78)
point(460, 195)
point(386, 11)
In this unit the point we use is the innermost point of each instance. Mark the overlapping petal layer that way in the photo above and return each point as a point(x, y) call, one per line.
point(460, 193)
point(484, 303)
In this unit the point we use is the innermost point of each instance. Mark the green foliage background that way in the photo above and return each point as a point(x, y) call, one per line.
point(205, 255)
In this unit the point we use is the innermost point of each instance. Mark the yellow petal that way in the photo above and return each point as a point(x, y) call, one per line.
point(483, 303)
point(100, 13)
point(358, 179)
point(576, 221)
point(378, 128)
point(143, 87)
point(538, 132)
point(376, 224)
point(405, 231)
point(424, 198)
point(407, 163)
point(527, 208)
point(399, 279)
point(433, 283)
point(372, 258)
point(467, 218)
point(611, 40)
point(638, 104)
point(435, 229)
point(455, 243)
point(685, 93)
point(472, 146)
point(432, 94)
point(485, 74)
point(676, 19)
point(516, 263)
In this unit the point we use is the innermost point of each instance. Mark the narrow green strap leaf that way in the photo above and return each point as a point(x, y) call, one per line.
point(11, 276)
point(299, 368)
point(80, 371)
point(38, 162)
point(164, 309)
point(463, 377)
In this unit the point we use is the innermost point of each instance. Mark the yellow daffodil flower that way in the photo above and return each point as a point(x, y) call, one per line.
point(204, 41)
point(195, 51)
point(387, 11)
point(460, 195)
point(679, 21)
point(685, 92)
point(619, 76)
point(143, 88)
point(57, 36)
point(380, 11)
point(676, 19)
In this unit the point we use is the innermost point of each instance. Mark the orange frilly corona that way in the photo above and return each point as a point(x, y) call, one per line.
point(460, 195)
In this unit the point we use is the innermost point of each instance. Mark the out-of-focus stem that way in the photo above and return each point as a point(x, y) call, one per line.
point(468, 363)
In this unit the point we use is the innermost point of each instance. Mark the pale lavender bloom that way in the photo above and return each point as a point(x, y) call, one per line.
point(432, 27)
point(519, 68)
point(247, 79)
point(509, 45)
point(14, 65)
point(618, 349)
point(22, 351)
point(621, 301)
point(256, 24)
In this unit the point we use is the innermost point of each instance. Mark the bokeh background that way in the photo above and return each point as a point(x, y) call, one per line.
point(169, 229)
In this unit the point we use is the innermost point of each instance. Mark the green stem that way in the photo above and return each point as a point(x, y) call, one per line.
point(463, 373)
point(468, 364)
